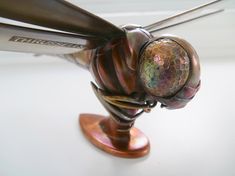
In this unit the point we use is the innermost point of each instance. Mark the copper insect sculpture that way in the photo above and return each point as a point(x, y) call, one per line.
point(133, 69)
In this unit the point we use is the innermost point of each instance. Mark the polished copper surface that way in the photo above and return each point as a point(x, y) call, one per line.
point(133, 69)
point(103, 133)
point(164, 67)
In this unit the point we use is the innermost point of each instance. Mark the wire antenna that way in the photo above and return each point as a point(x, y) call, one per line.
point(168, 22)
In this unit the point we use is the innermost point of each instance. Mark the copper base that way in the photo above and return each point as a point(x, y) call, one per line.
point(129, 144)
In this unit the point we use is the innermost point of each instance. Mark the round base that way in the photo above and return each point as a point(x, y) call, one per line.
point(129, 145)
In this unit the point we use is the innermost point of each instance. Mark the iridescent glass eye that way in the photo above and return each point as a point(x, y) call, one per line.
point(164, 67)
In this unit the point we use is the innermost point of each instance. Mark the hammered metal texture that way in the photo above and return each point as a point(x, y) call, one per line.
point(164, 67)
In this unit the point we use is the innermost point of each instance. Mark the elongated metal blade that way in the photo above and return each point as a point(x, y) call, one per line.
point(60, 15)
point(21, 39)
point(187, 15)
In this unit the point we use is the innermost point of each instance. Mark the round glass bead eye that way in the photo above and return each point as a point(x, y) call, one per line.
point(164, 67)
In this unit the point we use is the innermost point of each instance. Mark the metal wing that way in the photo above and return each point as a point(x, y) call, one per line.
point(22, 39)
point(55, 14)
point(184, 17)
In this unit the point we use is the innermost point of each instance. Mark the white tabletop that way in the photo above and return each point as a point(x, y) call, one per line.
point(41, 98)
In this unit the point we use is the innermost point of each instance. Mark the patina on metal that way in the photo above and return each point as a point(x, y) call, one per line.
point(165, 71)
point(133, 69)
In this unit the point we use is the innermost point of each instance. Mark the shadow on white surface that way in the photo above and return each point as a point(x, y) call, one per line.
point(40, 135)
point(40, 99)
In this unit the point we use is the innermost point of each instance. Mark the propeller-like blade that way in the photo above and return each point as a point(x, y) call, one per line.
point(183, 17)
point(60, 15)
point(22, 39)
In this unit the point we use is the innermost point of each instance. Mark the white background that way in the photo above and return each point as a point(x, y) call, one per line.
point(41, 97)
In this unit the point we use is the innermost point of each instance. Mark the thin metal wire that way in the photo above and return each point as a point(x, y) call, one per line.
point(167, 20)
point(186, 21)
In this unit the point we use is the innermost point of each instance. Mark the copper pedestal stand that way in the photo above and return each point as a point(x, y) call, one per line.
point(104, 133)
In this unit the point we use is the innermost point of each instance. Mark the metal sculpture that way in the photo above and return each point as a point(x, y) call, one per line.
point(133, 70)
